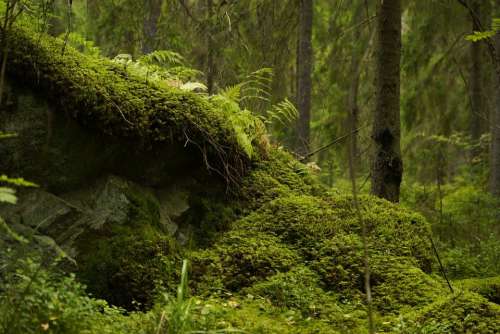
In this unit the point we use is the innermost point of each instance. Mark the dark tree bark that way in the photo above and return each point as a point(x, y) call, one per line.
point(359, 53)
point(150, 29)
point(387, 165)
point(211, 71)
point(352, 98)
point(495, 121)
point(476, 81)
point(304, 80)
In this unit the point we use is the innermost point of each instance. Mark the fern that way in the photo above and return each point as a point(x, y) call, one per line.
point(477, 36)
point(283, 112)
point(8, 195)
point(163, 68)
point(480, 35)
point(162, 58)
point(17, 181)
point(231, 93)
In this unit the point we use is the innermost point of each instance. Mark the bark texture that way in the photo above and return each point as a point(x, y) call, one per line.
point(495, 123)
point(476, 81)
point(152, 15)
point(304, 81)
point(387, 165)
point(210, 49)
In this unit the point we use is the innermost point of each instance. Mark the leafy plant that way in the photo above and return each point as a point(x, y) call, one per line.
point(177, 316)
point(164, 68)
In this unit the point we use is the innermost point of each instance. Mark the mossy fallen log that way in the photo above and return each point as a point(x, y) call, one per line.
point(104, 96)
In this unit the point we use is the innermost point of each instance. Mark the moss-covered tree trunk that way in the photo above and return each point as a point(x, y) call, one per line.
point(387, 165)
point(304, 82)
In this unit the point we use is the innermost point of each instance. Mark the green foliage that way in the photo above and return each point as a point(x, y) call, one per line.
point(8, 195)
point(163, 68)
point(480, 35)
point(35, 300)
point(252, 94)
point(477, 36)
point(16, 181)
point(283, 113)
point(163, 58)
point(177, 315)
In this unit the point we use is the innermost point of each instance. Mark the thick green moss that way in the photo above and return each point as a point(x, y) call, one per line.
point(278, 175)
point(462, 312)
point(104, 96)
point(240, 259)
point(489, 287)
point(308, 222)
point(398, 286)
point(297, 288)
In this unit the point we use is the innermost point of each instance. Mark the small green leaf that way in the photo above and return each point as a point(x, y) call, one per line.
point(8, 195)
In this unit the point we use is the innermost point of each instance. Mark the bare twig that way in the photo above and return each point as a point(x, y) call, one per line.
point(364, 233)
point(335, 141)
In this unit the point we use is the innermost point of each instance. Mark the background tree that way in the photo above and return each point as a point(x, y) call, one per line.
point(304, 69)
point(387, 166)
point(495, 122)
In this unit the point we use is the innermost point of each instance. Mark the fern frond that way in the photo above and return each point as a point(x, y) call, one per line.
point(163, 58)
point(480, 35)
point(232, 93)
point(283, 112)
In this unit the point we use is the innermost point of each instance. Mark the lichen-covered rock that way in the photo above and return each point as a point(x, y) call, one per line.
point(113, 229)
point(125, 252)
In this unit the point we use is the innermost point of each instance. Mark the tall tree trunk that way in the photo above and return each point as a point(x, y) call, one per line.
point(495, 122)
point(387, 165)
point(359, 52)
point(152, 15)
point(476, 81)
point(352, 98)
point(304, 80)
point(210, 49)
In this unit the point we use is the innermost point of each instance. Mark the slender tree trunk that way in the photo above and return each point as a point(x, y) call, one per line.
point(352, 99)
point(152, 15)
point(210, 49)
point(304, 80)
point(359, 53)
point(495, 123)
point(387, 165)
point(476, 82)
point(9, 16)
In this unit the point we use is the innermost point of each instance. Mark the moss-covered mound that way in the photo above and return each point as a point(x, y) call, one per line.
point(486, 287)
point(463, 312)
point(103, 95)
